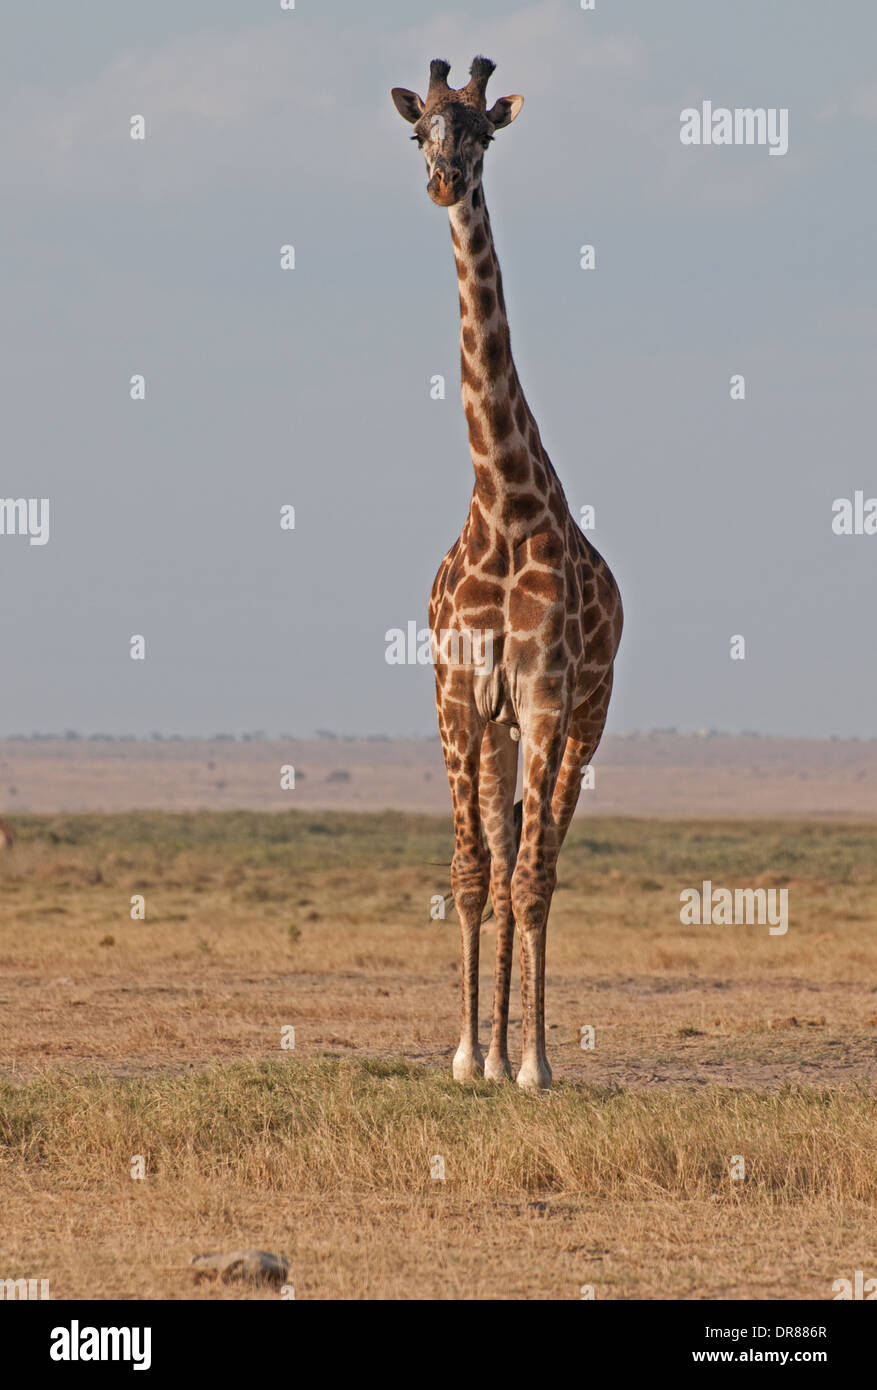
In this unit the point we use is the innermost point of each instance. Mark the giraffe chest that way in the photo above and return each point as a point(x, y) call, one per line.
point(538, 618)
point(516, 591)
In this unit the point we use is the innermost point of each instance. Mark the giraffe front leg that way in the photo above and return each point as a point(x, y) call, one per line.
point(499, 766)
point(469, 882)
point(532, 889)
point(497, 1066)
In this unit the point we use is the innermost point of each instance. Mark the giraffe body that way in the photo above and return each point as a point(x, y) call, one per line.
point(522, 572)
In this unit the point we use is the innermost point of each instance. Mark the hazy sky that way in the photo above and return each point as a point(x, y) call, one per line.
point(312, 387)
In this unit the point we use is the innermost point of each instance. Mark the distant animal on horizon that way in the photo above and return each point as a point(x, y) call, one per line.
point(522, 574)
point(7, 839)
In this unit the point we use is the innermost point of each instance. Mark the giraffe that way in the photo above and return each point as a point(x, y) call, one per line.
point(523, 572)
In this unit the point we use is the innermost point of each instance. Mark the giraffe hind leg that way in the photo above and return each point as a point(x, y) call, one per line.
point(585, 732)
point(519, 817)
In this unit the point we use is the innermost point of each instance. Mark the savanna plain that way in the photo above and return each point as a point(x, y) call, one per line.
point(168, 1037)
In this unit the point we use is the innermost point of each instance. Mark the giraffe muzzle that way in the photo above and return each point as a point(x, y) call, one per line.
point(445, 187)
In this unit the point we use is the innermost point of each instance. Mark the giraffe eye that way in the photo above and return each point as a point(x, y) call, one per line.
point(485, 141)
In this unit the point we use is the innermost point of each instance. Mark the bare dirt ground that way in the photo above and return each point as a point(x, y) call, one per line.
point(650, 1030)
point(641, 775)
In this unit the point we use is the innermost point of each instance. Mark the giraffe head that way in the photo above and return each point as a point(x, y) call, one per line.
point(454, 128)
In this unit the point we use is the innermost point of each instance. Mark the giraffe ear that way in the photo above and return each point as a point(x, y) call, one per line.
point(408, 104)
point(503, 112)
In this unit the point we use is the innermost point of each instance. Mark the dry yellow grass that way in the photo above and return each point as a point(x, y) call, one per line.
point(371, 1127)
point(333, 1163)
point(163, 1038)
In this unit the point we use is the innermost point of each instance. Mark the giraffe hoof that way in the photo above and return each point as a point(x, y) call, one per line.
point(534, 1076)
point(497, 1069)
point(468, 1066)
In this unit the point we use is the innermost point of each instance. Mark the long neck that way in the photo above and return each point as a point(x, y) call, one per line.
point(514, 480)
